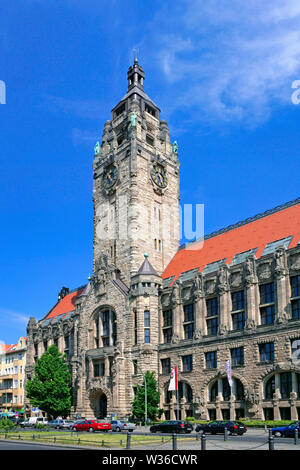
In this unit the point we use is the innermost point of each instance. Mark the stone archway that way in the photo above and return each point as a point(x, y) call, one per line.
point(99, 404)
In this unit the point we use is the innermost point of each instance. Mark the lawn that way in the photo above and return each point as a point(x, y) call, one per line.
point(100, 439)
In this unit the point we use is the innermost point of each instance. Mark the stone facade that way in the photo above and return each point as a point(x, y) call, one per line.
point(128, 319)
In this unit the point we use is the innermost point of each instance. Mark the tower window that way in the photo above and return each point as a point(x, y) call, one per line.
point(150, 140)
point(120, 110)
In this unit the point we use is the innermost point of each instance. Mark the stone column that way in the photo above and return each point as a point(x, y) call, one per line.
point(252, 293)
point(224, 300)
point(281, 285)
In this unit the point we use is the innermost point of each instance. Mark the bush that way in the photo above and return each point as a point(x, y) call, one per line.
point(41, 426)
point(6, 425)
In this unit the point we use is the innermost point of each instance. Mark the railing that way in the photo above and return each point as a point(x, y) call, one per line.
point(128, 440)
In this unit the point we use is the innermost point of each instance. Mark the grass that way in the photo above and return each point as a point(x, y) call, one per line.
point(87, 439)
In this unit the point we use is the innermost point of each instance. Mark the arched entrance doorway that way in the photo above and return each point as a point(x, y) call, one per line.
point(99, 404)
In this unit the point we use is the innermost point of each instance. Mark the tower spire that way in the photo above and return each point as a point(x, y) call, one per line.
point(135, 75)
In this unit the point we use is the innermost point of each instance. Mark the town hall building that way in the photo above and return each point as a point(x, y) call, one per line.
point(152, 304)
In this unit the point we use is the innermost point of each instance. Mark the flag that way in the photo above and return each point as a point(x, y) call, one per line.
point(228, 371)
point(173, 380)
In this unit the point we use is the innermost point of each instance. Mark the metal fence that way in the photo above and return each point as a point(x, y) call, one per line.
point(128, 440)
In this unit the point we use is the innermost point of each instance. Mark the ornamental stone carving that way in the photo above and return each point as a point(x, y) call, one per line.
point(223, 329)
point(236, 279)
point(282, 317)
point(198, 286)
point(197, 334)
point(175, 339)
point(250, 270)
point(264, 271)
point(223, 279)
point(280, 263)
point(210, 286)
point(176, 293)
point(294, 262)
point(250, 324)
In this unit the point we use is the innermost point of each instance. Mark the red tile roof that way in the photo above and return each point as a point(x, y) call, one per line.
point(256, 232)
point(65, 306)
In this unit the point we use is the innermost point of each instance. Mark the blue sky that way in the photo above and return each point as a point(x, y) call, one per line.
point(221, 72)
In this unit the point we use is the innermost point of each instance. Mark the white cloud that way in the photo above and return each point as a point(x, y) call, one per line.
point(230, 60)
point(12, 316)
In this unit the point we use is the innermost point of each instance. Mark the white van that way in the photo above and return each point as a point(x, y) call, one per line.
point(32, 421)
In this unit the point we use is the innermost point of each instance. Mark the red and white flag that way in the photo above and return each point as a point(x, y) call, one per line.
point(173, 380)
point(228, 371)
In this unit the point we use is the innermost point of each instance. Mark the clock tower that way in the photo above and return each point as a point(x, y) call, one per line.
point(136, 185)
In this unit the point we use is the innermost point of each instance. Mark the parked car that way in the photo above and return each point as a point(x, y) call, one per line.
point(172, 427)
point(218, 427)
point(61, 423)
point(117, 425)
point(287, 431)
point(32, 421)
point(91, 425)
point(67, 424)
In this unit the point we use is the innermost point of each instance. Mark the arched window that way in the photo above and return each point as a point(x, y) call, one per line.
point(185, 391)
point(105, 328)
point(270, 388)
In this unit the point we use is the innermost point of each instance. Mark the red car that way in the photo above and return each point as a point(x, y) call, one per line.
point(91, 425)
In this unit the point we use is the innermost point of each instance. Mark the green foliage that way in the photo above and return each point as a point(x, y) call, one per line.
point(153, 399)
point(50, 388)
point(7, 425)
point(41, 426)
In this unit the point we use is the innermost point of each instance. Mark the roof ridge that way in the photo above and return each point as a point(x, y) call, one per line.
point(261, 215)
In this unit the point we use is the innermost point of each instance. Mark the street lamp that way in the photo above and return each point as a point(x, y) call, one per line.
point(145, 382)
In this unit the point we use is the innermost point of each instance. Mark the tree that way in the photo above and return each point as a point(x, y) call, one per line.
point(153, 398)
point(50, 388)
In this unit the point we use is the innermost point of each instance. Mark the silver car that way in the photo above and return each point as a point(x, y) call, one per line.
point(117, 426)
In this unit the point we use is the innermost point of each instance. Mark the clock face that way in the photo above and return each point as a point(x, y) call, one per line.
point(159, 177)
point(110, 177)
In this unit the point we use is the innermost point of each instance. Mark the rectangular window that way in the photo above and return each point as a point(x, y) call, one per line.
point(188, 324)
point(147, 318)
point(135, 327)
point(285, 384)
point(295, 309)
point(266, 352)
point(135, 367)
point(212, 326)
point(99, 369)
point(167, 318)
point(166, 366)
point(147, 335)
point(188, 312)
point(167, 334)
point(212, 321)
point(212, 307)
point(237, 356)
point(188, 330)
point(295, 286)
point(267, 315)
point(238, 321)
point(267, 293)
point(238, 302)
point(167, 328)
point(211, 360)
point(267, 299)
point(187, 363)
